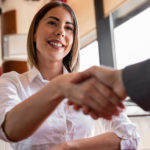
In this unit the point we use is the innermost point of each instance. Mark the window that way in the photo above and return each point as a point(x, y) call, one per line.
point(132, 40)
point(89, 56)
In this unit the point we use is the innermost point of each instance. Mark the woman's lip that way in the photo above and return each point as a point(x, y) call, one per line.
point(55, 45)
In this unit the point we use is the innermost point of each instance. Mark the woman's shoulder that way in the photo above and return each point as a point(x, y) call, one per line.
point(12, 76)
point(9, 74)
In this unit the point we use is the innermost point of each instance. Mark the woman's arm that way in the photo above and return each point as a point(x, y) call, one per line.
point(25, 118)
point(124, 136)
point(106, 141)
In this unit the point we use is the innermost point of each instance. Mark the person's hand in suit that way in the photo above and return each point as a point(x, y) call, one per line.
point(109, 77)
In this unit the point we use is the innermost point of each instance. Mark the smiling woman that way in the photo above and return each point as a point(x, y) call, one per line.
point(34, 114)
point(54, 37)
point(54, 22)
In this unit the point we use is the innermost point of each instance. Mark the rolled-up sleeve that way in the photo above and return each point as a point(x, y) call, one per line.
point(125, 129)
point(8, 99)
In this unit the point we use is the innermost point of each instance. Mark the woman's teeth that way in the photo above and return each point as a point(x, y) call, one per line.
point(56, 44)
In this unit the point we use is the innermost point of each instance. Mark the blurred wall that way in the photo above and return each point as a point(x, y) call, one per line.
point(25, 11)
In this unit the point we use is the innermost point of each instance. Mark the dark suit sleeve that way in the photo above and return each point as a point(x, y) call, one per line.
point(136, 80)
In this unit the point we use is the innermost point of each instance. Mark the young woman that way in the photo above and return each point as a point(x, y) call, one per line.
point(33, 112)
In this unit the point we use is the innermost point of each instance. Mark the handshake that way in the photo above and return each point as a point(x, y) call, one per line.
point(98, 91)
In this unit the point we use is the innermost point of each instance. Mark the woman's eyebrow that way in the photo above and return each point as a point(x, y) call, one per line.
point(57, 19)
point(69, 23)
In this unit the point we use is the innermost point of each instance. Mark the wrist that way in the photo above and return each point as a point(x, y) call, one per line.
point(56, 92)
point(118, 84)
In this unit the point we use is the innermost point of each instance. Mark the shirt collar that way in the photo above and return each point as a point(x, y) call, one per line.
point(34, 73)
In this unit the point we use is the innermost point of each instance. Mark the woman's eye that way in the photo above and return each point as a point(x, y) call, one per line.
point(69, 28)
point(51, 23)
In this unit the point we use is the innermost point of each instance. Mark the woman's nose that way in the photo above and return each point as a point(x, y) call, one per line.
point(60, 32)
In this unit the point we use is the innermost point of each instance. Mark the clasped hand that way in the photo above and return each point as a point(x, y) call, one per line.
point(97, 91)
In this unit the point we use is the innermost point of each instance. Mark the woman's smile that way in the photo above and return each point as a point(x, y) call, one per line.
point(56, 44)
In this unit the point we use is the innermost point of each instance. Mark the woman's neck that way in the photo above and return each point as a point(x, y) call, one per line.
point(50, 71)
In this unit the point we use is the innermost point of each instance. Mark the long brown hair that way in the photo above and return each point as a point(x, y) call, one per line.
point(71, 61)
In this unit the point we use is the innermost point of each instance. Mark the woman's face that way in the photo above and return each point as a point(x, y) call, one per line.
point(54, 35)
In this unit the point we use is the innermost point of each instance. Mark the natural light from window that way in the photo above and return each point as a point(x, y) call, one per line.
point(132, 40)
point(132, 43)
point(89, 56)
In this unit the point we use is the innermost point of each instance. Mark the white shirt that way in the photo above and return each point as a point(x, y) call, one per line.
point(65, 124)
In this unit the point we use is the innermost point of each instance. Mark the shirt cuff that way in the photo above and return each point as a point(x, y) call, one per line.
point(130, 144)
point(129, 141)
